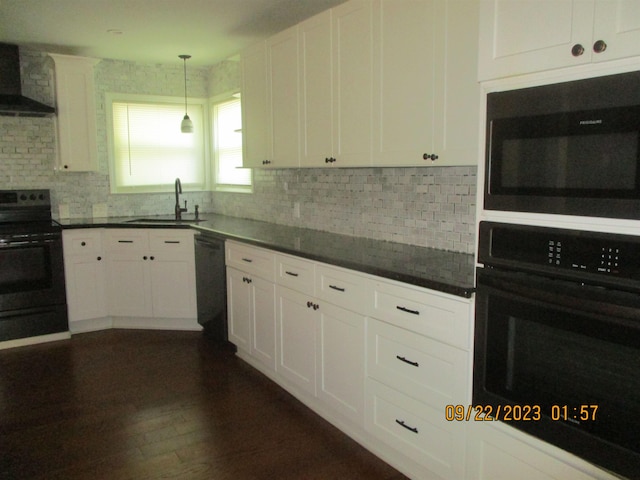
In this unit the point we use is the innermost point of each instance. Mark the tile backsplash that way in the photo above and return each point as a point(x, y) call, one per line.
point(427, 206)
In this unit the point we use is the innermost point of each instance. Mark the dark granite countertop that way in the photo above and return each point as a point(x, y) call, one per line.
point(441, 270)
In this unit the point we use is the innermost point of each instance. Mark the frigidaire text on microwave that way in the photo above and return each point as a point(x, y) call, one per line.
point(569, 148)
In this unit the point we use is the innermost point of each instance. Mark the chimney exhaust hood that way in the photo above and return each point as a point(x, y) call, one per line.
point(12, 102)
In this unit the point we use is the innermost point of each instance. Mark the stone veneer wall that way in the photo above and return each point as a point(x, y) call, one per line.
point(432, 207)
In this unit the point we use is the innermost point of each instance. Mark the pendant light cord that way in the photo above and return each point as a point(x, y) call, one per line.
point(184, 58)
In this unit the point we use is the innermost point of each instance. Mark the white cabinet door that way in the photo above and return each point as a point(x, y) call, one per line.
point(426, 98)
point(75, 113)
point(456, 109)
point(284, 121)
point(404, 76)
point(353, 86)
point(523, 36)
point(341, 361)
point(316, 89)
point(255, 131)
point(129, 286)
point(85, 275)
point(296, 329)
point(172, 273)
point(239, 309)
point(617, 23)
point(263, 321)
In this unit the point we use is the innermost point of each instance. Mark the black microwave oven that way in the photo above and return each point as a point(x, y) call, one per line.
point(570, 148)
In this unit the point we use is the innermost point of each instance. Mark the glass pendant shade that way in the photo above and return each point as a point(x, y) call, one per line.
point(187, 125)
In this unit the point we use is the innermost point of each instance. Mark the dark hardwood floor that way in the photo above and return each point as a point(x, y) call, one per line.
point(129, 404)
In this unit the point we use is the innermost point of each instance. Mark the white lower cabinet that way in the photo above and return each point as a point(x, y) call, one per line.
point(85, 275)
point(251, 317)
point(499, 452)
point(151, 273)
point(130, 278)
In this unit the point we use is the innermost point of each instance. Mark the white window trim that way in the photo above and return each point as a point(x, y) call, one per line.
point(215, 186)
point(111, 97)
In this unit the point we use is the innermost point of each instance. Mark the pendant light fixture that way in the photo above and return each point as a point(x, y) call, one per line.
point(187, 125)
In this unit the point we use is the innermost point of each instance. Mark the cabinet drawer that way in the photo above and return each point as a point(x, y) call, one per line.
point(82, 241)
point(343, 288)
point(422, 368)
point(436, 315)
point(296, 273)
point(171, 243)
point(250, 259)
point(126, 240)
point(416, 430)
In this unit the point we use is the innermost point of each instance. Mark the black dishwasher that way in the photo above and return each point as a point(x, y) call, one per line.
point(211, 286)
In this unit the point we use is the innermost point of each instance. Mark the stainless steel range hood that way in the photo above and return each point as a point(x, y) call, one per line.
point(12, 102)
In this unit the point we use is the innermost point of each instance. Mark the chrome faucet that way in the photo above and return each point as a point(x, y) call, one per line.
point(178, 209)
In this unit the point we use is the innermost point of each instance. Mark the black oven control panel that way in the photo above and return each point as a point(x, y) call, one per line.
point(578, 253)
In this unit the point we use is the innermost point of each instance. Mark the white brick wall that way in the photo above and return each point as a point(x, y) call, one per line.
point(432, 207)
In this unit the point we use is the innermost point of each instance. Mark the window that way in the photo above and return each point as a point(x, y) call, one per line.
point(227, 147)
point(148, 151)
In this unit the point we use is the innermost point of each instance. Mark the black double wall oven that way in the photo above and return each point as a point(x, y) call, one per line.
point(32, 287)
point(557, 328)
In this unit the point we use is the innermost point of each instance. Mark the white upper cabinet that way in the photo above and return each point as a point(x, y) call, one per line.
point(283, 107)
point(525, 36)
point(352, 83)
point(316, 91)
point(425, 90)
point(255, 133)
point(76, 113)
point(382, 83)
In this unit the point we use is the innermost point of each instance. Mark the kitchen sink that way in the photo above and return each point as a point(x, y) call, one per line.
point(165, 220)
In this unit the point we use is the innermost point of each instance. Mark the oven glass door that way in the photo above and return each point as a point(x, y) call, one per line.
point(571, 351)
point(31, 272)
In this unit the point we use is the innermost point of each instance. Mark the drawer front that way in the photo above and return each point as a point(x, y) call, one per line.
point(343, 288)
point(296, 273)
point(416, 430)
point(82, 241)
point(254, 260)
point(439, 316)
point(419, 367)
point(126, 240)
point(171, 243)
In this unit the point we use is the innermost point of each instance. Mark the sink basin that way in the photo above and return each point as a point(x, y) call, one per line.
point(165, 220)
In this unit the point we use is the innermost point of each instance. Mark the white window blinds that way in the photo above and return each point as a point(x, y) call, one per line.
point(150, 152)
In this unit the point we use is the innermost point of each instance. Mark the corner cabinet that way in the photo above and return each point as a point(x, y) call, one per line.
point(519, 37)
point(76, 113)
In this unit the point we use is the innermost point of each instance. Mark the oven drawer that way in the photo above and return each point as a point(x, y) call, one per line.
point(82, 241)
point(436, 315)
point(415, 430)
point(425, 369)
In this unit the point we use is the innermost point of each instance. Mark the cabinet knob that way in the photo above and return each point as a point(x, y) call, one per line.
point(266, 162)
point(65, 166)
point(99, 258)
point(152, 258)
point(577, 50)
point(600, 46)
point(431, 156)
point(144, 258)
point(83, 244)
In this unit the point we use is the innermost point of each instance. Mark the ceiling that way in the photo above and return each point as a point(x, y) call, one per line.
point(154, 31)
